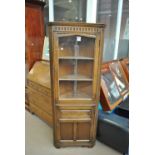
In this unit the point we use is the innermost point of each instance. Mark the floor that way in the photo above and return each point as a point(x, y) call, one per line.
point(39, 141)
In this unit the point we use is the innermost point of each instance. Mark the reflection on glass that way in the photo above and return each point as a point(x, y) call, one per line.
point(107, 14)
point(76, 60)
point(123, 48)
point(75, 69)
point(77, 47)
point(113, 93)
point(70, 10)
point(118, 76)
point(75, 89)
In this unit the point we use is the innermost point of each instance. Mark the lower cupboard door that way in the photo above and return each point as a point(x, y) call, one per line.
point(75, 131)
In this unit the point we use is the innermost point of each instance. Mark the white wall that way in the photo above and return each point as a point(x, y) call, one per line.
point(51, 10)
point(91, 11)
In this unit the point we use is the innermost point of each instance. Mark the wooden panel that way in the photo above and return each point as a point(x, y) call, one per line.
point(39, 92)
point(75, 105)
point(26, 99)
point(75, 114)
point(34, 29)
point(40, 100)
point(40, 74)
point(66, 131)
point(42, 114)
point(125, 66)
point(75, 130)
point(83, 131)
point(39, 88)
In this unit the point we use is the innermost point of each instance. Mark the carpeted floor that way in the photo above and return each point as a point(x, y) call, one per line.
point(39, 141)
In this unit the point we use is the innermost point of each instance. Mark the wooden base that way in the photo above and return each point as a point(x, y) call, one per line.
point(75, 144)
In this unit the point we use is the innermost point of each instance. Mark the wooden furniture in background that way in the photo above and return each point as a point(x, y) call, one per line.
point(26, 99)
point(26, 92)
point(39, 91)
point(75, 56)
point(34, 31)
point(125, 65)
point(114, 85)
point(120, 77)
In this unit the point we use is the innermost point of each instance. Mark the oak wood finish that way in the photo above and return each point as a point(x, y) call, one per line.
point(39, 91)
point(76, 81)
point(26, 99)
point(34, 31)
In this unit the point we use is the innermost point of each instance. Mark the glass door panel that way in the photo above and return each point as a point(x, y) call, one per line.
point(85, 68)
point(84, 89)
point(66, 69)
point(76, 47)
point(119, 78)
point(75, 70)
point(113, 93)
point(76, 62)
point(75, 89)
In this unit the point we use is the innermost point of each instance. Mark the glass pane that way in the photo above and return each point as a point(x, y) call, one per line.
point(76, 61)
point(75, 70)
point(75, 89)
point(118, 77)
point(107, 14)
point(76, 46)
point(113, 93)
point(70, 10)
point(123, 49)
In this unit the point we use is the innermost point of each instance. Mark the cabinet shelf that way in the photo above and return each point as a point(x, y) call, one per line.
point(78, 95)
point(73, 77)
point(76, 58)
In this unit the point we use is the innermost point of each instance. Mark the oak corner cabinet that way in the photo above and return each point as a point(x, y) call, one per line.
point(75, 56)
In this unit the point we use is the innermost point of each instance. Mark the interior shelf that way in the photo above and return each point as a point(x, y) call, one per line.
point(77, 57)
point(73, 77)
point(71, 95)
point(75, 89)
